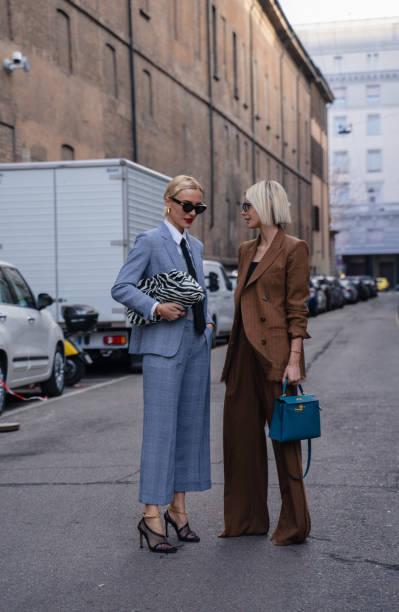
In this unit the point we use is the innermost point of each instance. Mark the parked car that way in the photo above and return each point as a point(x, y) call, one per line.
point(371, 284)
point(382, 283)
point(337, 293)
point(318, 301)
point(31, 342)
point(220, 298)
point(362, 288)
point(351, 294)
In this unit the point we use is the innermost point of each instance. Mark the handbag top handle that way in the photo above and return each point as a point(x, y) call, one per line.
point(285, 387)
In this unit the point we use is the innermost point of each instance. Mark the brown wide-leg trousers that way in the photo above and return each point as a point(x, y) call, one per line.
point(248, 405)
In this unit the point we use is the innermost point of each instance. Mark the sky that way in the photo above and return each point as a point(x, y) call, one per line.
point(315, 11)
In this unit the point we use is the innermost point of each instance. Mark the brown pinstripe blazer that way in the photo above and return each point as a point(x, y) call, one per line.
point(272, 303)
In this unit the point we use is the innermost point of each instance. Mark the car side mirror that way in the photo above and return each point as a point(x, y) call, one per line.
point(213, 281)
point(44, 300)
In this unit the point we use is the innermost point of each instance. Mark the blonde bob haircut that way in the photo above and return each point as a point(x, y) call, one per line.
point(177, 184)
point(270, 201)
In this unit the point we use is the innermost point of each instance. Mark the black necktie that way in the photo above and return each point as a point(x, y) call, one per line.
point(198, 309)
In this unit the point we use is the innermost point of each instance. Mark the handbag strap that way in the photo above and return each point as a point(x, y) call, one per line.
point(307, 465)
point(285, 387)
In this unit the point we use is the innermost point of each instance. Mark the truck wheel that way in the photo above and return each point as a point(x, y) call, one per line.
point(2, 390)
point(74, 370)
point(55, 384)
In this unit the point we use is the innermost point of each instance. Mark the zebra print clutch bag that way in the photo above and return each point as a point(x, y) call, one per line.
point(175, 286)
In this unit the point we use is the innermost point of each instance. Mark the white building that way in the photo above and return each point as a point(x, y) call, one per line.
point(360, 60)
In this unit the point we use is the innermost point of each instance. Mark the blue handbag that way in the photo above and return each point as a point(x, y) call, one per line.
point(296, 417)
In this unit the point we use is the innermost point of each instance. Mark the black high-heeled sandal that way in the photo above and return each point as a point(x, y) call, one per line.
point(156, 542)
point(185, 534)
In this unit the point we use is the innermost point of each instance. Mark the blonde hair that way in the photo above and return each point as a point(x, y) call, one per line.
point(177, 184)
point(270, 201)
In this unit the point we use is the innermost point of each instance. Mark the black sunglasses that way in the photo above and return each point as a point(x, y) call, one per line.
point(245, 206)
point(189, 206)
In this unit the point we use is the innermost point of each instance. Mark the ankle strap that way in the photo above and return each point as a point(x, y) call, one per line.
point(151, 515)
point(173, 509)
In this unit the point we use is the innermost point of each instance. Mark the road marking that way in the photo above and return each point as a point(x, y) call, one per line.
point(63, 397)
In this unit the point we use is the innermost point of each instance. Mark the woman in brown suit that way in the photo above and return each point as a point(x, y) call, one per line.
point(265, 348)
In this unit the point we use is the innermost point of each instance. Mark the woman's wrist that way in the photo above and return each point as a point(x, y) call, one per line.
point(158, 310)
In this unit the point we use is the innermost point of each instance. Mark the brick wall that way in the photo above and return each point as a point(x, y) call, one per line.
point(78, 95)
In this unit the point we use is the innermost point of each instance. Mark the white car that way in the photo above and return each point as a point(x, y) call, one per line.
point(220, 298)
point(31, 342)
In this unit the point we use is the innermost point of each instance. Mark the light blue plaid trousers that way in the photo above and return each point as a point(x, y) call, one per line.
point(175, 454)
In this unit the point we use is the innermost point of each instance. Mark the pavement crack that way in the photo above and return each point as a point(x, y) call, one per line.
point(321, 351)
point(67, 484)
point(346, 561)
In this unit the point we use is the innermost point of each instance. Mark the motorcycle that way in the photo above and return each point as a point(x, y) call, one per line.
point(78, 319)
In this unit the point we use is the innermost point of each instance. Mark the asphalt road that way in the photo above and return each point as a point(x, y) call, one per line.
point(69, 481)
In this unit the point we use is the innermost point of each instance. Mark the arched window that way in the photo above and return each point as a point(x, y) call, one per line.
point(110, 70)
point(67, 152)
point(63, 41)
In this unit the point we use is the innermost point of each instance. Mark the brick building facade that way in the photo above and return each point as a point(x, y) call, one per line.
point(219, 89)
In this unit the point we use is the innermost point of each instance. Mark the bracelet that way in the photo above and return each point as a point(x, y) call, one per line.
point(157, 311)
point(294, 351)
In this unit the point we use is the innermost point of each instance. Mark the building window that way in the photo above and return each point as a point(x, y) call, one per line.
point(373, 124)
point(110, 70)
point(340, 126)
point(343, 194)
point(215, 42)
point(317, 158)
point(337, 62)
point(63, 41)
point(374, 160)
point(341, 161)
point(235, 66)
point(340, 96)
point(67, 152)
point(315, 218)
point(148, 98)
point(373, 94)
point(374, 193)
point(372, 60)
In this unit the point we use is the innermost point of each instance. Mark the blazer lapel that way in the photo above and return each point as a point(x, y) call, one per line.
point(197, 259)
point(171, 247)
point(246, 258)
point(271, 254)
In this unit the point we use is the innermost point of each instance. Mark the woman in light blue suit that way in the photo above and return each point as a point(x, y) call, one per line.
point(175, 455)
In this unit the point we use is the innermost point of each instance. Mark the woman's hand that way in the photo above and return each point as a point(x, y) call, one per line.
point(293, 373)
point(170, 311)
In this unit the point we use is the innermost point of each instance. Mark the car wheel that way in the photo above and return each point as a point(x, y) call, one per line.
point(2, 390)
point(74, 370)
point(55, 384)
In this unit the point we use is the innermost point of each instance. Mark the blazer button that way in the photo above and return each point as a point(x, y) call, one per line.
point(263, 319)
point(263, 342)
point(265, 298)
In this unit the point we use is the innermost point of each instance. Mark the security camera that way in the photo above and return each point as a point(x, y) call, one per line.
point(18, 61)
point(17, 57)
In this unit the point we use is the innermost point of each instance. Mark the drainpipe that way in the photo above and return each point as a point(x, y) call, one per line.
point(283, 52)
point(210, 112)
point(251, 80)
point(298, 150)
point(132, 82)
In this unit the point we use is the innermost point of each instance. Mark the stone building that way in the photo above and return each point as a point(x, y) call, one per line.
point(220, 89)
point(361, 62)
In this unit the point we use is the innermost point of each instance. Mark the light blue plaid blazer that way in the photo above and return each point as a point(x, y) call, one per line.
point(154, 252)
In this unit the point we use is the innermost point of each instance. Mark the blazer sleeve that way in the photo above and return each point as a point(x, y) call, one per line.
point(124, 289)
point(297, 293)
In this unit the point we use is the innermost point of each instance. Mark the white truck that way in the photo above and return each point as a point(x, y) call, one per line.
point(68, 227)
